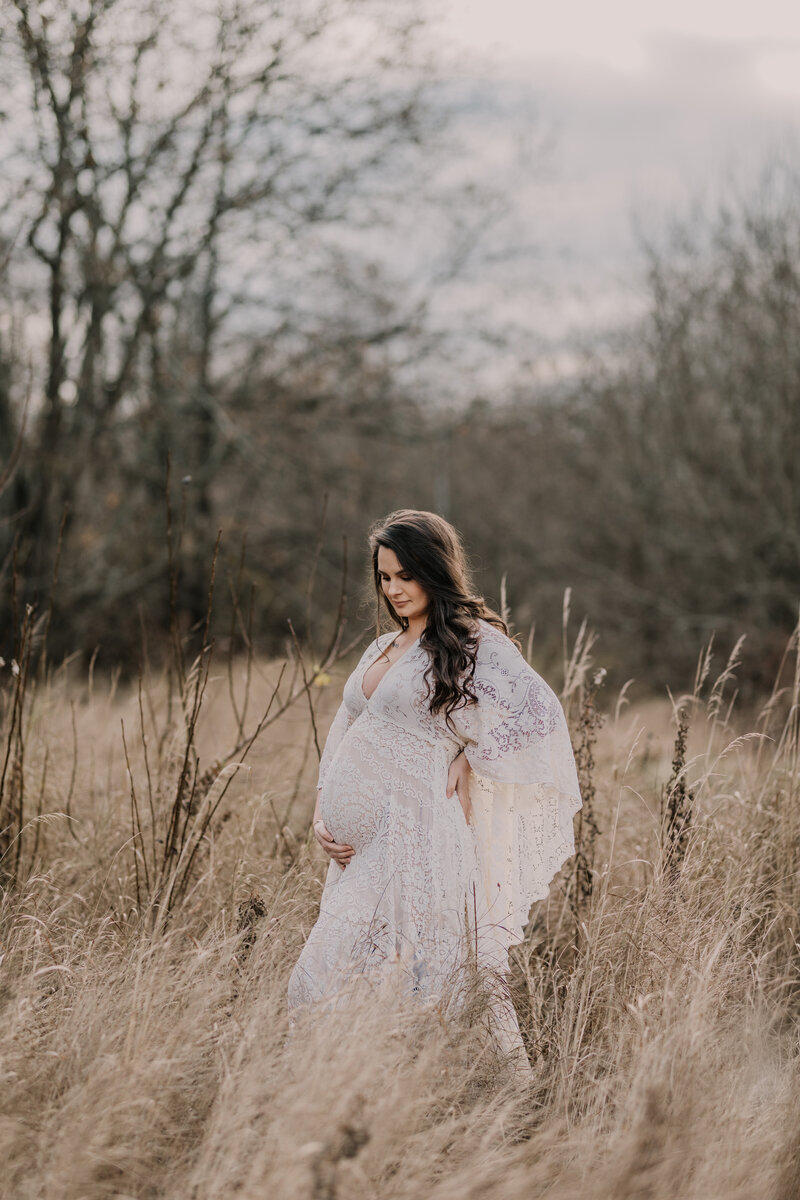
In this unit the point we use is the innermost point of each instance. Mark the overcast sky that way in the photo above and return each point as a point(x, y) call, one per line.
point(650, 105)
point(619, 34)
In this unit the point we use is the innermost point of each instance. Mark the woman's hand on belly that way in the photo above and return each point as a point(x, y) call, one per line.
point(458, 781)
point(340, 852)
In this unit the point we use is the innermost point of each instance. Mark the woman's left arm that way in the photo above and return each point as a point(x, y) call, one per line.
point(524, 788)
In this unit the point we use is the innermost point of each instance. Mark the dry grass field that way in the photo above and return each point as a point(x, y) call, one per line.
point(144, 1047)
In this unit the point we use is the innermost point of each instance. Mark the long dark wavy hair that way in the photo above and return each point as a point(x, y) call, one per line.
point(429, 549)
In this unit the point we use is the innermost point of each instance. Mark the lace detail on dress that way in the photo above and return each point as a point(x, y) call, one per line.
point(401, 903)
point(517, 730)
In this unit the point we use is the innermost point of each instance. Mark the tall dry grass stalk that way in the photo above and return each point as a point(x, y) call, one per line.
point(154, 1059)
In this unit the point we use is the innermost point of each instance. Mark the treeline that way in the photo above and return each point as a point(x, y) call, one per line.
point(157, 232)
point(664, 485)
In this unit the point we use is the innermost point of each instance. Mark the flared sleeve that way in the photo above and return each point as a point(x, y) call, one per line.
point(339, 727)
point(347, 712)
point(524, 785)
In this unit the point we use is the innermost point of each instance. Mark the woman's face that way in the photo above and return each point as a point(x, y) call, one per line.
point(407, 598)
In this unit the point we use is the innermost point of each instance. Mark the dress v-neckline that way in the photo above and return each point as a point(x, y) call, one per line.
point(388, 669)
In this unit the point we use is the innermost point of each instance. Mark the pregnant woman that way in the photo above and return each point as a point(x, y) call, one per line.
point(447, 785)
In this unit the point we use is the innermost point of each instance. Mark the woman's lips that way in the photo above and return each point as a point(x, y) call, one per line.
point(400, 603)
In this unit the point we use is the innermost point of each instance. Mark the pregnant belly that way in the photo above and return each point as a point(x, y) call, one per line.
point(378, 770)
point(350, 806)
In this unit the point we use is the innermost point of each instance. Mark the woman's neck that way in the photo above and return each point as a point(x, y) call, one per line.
point(416, 628)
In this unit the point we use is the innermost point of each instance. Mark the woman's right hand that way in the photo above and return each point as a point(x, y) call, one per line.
point(340, 852)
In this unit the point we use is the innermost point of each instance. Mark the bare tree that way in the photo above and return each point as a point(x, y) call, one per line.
point(664, 486)
point(175, 177)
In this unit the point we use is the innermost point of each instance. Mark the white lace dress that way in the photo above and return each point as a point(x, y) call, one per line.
point(422, 883)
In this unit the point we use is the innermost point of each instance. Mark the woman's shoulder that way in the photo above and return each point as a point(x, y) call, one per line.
point(496, 650)
point(380, 642)
point(486, 627)
point(492, 635)
point(504, 675)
